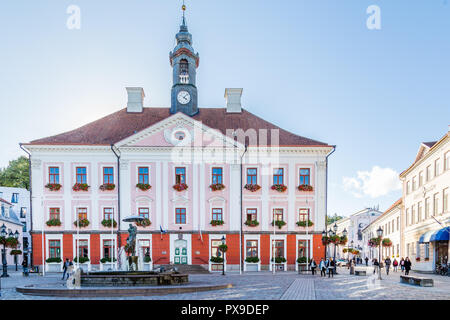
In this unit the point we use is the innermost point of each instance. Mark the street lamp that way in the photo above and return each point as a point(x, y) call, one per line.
point(16, 236)
point(3, 234)
point(335, 227)
point(380, 236)
point(324, 234)
point(223, 258)
point(344, 233)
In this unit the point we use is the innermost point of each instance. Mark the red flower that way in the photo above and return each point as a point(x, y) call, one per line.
point(279, 187)
point(252, 187)
point(180, 187)
point(305, 187)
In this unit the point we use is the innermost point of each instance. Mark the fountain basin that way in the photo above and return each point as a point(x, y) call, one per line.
point(131, 279)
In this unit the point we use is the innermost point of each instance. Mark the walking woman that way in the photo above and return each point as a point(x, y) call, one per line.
point(323, 268)
point(395, 265)
point(331, 265)
point(313, 266)
point(407, 266)
point(402, 264)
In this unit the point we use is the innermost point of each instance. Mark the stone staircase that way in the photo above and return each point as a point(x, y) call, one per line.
point(188, 268)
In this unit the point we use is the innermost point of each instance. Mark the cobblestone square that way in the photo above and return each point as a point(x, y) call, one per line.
point(267, 286)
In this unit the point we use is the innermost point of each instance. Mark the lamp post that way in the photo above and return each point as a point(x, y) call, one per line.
point(16, 235)
point(223, 258)
point(324, 234)
point(344, 233)
point(335, 227)
point(380, 236)
point(3, 234)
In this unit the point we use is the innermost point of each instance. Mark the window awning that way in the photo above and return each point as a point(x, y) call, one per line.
point(441, 235)
point(425, 238)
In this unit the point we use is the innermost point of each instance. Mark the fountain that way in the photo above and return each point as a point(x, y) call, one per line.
point(129, 275)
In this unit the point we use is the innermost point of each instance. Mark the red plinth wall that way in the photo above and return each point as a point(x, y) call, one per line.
point(161, 249)
point(200, 249)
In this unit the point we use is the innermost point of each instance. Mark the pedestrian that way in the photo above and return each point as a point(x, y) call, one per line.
point(375, 265)
point(313, 266)
point(387, 262)
point(407, 266)
point(395, 265)
point(331, 266)
point(402, 264)
point(367, 261)
point(65, 267)
point(323, 268)
point(25, 268)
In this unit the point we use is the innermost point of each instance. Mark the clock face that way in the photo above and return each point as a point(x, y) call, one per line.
point(184, 97)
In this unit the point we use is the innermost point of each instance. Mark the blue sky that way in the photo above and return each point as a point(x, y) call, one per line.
point(311, 67)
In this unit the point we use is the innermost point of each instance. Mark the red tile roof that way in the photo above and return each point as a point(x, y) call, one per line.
point(120, 125)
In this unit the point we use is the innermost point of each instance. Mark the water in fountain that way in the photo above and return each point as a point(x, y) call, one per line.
point(123, 260)
point(140, 257)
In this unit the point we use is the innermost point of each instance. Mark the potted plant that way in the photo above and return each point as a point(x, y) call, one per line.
point(144, 223)
point(53, 260)
point(303, 223)
point(325, 240)
point(279, 259)
point(252, 260)
point(53, 186)
point(83, 223)
point(251, 223)
point(279, 187)
point(180, 187)
point(82, 259)
point(216, 259)
point(252, 187)
point(53, 223)
point(107, 186)
point(107, 223)
point(217, 187)
point(15, 252)
point(147, 259)
point(223, 248)
point(374, 242)
point(305, 187)
point(143, 186)
point(107, 260)
point(386, 242)
point(279, 223)
point(335, 239)
point(80, 187)
point(343, 240)
point(216, 223)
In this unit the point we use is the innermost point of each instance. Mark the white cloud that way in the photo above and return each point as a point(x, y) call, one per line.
point(375, 183)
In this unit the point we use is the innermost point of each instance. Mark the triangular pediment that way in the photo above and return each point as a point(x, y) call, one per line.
point(179, 130)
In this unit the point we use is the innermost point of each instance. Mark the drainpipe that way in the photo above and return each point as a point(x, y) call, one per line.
point(326, 193)
point(119, 242)
point(30, 252)
point(240, 230)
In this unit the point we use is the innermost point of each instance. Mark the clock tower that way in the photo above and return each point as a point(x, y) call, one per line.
point(184, 62)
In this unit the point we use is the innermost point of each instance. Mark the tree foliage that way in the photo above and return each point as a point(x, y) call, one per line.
point(333, 219)
point(16, 174)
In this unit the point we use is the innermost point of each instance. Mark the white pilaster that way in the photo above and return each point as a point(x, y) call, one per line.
point(159, 200)
point(165, 187)
point(291, 196)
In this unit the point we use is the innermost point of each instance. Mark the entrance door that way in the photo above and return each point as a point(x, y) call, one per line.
point(180, 252)
point(441, 252)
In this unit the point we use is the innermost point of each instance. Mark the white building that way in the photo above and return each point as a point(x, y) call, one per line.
point(425, 196)
point(12, 225)
point(19, 198)
point(354, 225)
point(389, 222)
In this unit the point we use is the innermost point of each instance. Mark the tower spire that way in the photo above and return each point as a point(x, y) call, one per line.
point(183, 7)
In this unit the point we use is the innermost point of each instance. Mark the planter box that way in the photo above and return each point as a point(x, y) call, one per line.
point(148, 266)
point(216, 267)
point(53, 267)
point(301, 266)
point(251, 266)
point(278, 266)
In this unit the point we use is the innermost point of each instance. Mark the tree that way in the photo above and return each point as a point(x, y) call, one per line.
point(16, 174)
point(331, 220)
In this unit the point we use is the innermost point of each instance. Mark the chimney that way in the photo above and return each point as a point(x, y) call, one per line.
point(233, 100)
point(135, 99)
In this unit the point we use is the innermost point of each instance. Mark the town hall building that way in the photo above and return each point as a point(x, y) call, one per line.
point(199, 177)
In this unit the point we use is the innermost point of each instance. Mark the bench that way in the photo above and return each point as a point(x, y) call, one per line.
point(360, 272)
point(418, 281)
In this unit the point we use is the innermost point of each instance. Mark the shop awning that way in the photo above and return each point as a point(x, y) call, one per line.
point(425, 238)
point(441, 235)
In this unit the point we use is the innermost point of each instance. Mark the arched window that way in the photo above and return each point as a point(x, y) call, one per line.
point(184, 67)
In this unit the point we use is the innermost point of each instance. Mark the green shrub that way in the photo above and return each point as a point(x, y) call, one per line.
point(252, 259)
point(53, 260)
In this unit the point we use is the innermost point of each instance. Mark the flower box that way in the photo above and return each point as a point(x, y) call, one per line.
point(252, 187)
point(53, 186)
point(279, 223)
point(107, 223)
point(53, 260)
point(83, 223)
point(279, 187)
point(252, 260)
point(80, 187)
point(107, 260)
point(217, 187)
point(82, 259)
point(305, 187)
point(216, 223)
point(15, 252)
point(303, 223)
point(216, 259)
point(302, 260)
point(144, 223)
point(374, 242)
point(143, 186)
point(107, 187)
point(180, 187)
point(418, 259)
point(279, 259)
point(251, 223)
point(53, 223)
point(386, 242)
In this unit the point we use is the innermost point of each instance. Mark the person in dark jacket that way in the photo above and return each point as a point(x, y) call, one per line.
point(331, 266)
point(313, 266)
point(387, 263)
point(375, 265)
point(407, 266)
point(367, 261)
point(65, 268)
